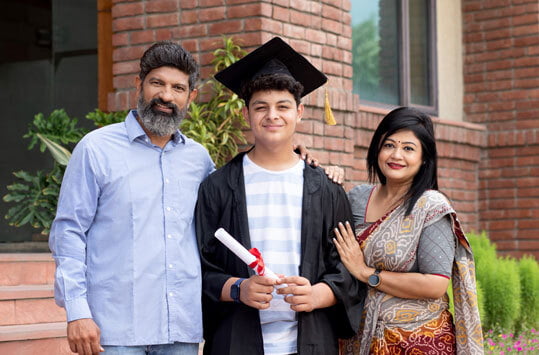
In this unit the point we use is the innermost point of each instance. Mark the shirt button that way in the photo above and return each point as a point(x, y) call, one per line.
point(168, 209)
point(167, 181)
point(170, 266)
point(169, 236)
point(170, 294)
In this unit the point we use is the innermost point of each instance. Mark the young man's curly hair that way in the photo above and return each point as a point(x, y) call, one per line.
point(272, 82)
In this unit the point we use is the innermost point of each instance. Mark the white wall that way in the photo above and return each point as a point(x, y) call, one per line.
point(450, 59)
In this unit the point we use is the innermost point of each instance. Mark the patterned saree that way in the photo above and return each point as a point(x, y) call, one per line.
point(393, 325)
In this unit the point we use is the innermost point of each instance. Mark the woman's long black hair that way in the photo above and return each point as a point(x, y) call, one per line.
point(422, 127)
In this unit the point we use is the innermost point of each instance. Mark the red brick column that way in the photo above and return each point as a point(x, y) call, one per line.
point(318, 29)
point(501, 76)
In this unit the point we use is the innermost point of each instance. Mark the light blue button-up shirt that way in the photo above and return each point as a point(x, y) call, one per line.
point(124, 236)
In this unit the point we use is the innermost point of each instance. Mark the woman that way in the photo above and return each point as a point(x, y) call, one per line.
point(410, 245)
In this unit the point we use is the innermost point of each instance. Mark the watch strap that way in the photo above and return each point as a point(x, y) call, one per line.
point(235, 290)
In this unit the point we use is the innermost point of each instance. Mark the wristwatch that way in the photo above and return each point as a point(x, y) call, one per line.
point(374, 279)
point(235, 290)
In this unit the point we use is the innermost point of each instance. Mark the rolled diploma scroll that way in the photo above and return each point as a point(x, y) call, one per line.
point(241, 252)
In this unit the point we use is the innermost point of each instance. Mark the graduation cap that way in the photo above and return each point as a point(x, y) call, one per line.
point(274, 57)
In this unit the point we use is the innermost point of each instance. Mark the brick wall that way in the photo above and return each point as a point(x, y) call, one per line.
point(501, 74)
point(501, 91)
point(318, 29)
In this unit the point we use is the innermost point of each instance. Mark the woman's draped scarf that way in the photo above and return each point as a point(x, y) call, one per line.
point(391, 244)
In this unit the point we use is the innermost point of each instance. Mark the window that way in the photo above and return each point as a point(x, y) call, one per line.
point(393, 52)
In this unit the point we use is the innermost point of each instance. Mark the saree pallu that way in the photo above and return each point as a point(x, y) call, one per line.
point(393, 325)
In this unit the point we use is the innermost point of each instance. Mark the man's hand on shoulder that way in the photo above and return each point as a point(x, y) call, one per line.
point(333, 172)
point(84, 337)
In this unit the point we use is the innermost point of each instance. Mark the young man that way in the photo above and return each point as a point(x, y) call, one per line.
point(270, 199)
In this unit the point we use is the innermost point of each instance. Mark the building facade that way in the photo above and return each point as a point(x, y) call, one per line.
point(477, 74)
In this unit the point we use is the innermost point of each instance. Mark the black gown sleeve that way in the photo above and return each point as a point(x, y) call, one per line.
point(207, 214)
point(349, 292)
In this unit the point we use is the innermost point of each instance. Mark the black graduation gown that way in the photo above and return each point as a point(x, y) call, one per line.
point(234, 329)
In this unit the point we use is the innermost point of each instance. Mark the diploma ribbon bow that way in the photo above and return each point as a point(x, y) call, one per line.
point(258, 264)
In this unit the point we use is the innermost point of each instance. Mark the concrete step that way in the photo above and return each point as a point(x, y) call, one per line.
point(30, 322)
point(33, 331)
point(32, 339)
point(42, 339)
point(52, 346)
point(26, 292)
point(25, 247)
point(27, 304)
point(26, 269)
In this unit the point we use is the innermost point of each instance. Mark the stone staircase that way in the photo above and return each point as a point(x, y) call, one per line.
point(30, 322)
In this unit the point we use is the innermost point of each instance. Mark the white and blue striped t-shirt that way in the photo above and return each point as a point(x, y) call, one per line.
point(274, 201)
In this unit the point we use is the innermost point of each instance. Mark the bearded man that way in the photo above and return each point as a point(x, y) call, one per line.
point(128, 269)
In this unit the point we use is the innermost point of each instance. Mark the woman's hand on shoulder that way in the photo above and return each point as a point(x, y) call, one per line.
point(305, 154)
point(350, 251)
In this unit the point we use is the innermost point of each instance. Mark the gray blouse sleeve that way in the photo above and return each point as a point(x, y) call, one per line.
point(436, 249)
point(359, 197)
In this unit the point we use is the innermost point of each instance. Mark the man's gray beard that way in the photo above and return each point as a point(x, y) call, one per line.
point(160, 124)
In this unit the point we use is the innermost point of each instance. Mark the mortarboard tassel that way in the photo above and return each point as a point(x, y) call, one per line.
point(330, 119)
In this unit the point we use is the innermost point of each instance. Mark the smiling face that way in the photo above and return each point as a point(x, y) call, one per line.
point(400, 157)
point(273, 116)
point(164, 97)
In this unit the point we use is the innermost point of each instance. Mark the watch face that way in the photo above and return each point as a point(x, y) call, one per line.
point(374, 280)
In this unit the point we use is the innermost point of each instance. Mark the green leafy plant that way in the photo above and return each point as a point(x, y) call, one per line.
point(508, 298)
point(528, 270)
point(102, 119)
point(58, 127)
point(217, 123)
point(503, 294)
point(485, 259)
point(35, 195)
point(510, 287)
point(480, 299)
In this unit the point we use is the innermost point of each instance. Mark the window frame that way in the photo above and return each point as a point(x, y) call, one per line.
point(404, 61)
point(104, 53)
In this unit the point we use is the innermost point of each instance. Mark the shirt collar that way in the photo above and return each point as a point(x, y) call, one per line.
point(134, 129)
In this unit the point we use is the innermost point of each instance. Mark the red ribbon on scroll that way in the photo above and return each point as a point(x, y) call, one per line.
point(258, 264)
